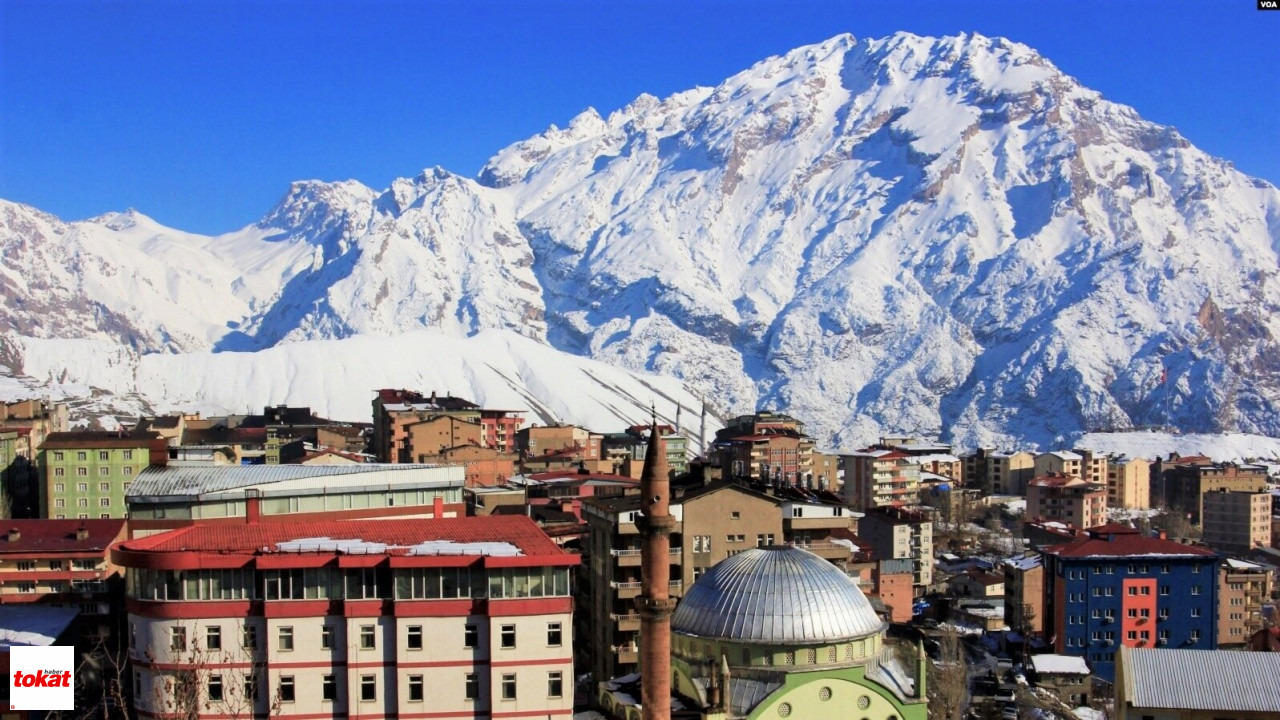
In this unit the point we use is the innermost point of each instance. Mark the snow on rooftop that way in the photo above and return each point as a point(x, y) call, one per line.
point(1059, 664)
point(356, 546)
point(1227, 447)
point(33, 625)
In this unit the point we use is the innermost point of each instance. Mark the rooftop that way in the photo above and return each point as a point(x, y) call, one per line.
point(33, 625)
point(775, 595)
point(200, 479)
point(1123, 541)
point(1242, 682)
point(97, 439)
point(481, 536)
point(58, 536)
point(1059, 664)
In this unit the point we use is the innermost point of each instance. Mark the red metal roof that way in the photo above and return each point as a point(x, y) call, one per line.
point(58, 536)
point(261, 538)
point(1120, 540)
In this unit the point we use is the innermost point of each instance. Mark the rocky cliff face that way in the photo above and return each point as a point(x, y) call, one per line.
point(901, 235)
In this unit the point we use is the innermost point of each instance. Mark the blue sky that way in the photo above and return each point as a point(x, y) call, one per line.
point(201, 113)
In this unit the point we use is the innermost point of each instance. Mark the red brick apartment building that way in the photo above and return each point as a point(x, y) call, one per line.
point(465, 617)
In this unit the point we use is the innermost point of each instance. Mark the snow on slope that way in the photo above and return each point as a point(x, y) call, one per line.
point(1223, 447)
point(338, 378)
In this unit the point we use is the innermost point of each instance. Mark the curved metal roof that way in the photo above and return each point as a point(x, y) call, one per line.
point(776, 595)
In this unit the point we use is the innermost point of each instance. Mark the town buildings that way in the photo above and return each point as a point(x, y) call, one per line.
point(1243, 590)
point(1128, 483)
point(1024, 594)
point(1067, 499)
point(766, 447)
point(1113, 587)
point(1066, 676)
point(1236, 521)
point(448, 618)
point(1060, 462)
point(1179, 483)
point(60, 562)
point(626, 450)
point(395, 410)
point(901, 534)
point(164, 497)
point(880, 478)
point(87, 474)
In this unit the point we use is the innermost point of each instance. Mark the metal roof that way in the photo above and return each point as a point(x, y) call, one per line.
point(203, 479)
point(1201, 679)
point(776, 595)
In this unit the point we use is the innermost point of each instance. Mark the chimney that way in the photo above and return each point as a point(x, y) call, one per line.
point(15, 534)
point(82, 532)
point(252, 510)
point(437, 507)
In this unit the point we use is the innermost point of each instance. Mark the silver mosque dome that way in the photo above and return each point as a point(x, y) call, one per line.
point(777, 596)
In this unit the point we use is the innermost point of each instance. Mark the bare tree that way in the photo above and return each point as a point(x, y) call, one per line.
point(949, 683)
point(217, 681)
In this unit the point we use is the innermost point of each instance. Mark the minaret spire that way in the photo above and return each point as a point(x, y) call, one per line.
point(655, 603)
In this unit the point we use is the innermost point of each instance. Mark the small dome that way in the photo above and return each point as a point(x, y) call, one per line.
point(776, 595)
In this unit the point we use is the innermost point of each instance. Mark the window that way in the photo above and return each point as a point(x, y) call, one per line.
point(215, 688)
point(735, 515)
point(470, 636)
point(53, 565)
point(1195, 589)
point(104, 502)
point(368, 640)
point(1164, 569)
point(286, 688)
point(1195, 612)
point(1195, 636)
point(554, 635)
point(82, 456)
point(702, 543)
point(471, 687)
point(249, 638)
point(368, 688)
point(509, 687)
point(1163, 613)
point(59, 487)
point(326, 637)
point(82, 502)
point(415, 688)
point(26, 565)
point(128, 454)
point(178, 639)
point(102, 455)
point(126, 470)
point(104, 516)
point(82, 487)
point(58, 456)
point(414, 641)
point(1164, 589)
point(26, 587)
point(508, 636)
point(59, 503)
point(82, 472)
point(250, 688)
point(1133, 590)
point(328, 688)
point(286, 638)
point(555, 684)
point(213, 637)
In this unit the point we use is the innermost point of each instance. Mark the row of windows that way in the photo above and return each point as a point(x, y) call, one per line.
point(84, 487)
point(84, 472)
point(83, 455)
point(368, 637)
point(30, 565)
point(287, 690)
point(82, 502)
point(58, 586)
point(1134, 569)
point(349, 583)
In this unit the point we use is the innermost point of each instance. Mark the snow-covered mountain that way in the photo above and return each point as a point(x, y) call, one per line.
point(909, 235)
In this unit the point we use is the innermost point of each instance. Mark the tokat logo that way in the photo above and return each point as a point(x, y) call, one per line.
point(41, 678)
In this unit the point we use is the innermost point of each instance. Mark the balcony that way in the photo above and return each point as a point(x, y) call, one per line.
point(627, 622)
point(626, 590)
point(627, 654)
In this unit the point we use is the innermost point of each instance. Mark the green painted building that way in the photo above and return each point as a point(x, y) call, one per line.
point(8, 453)
point(778, 632)
point(86, 474)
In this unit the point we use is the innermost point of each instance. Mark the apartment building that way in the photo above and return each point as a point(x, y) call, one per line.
point(1094, 466)
point(1114, 587)
point(1243, 589)
point(901, 534)
point(165, 497)
point(60, 562)
point(1060, 462)
point(1180, 482)
point(765, 446)
point(1067, 499)
point(87, 474)
point(433, 435)
point(1236, 521)
point(626, 450)
point(394, 410)
point(1024, 594)
point(1128, 483)
point(448, 618)
point(880, 478)
point(33, 420)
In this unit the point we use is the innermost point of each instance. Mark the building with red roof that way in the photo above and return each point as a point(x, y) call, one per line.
point(1114, 586)
point(881, 478)
point(463, 617)
point(1067, 499)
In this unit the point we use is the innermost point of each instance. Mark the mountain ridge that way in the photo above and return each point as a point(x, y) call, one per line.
point(906, 234)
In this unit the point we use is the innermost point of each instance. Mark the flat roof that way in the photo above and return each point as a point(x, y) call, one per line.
point(198, 480)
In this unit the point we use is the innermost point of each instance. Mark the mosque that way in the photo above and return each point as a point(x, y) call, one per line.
point(771, 632)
